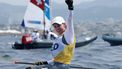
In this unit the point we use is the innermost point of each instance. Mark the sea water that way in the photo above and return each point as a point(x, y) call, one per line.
point(96, 55)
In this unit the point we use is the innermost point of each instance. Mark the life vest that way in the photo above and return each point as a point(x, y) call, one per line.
point(66, 55)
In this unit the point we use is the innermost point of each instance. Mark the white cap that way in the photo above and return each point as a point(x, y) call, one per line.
point(58, 20)
point(35, 30)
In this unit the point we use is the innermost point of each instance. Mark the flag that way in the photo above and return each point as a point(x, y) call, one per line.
point(39, 3)
point(47, 14)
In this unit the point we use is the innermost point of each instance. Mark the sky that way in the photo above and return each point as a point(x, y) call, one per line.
point(25, 2)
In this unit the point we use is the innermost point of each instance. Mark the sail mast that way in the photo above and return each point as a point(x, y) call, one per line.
point(44, 34)
point(46, 18)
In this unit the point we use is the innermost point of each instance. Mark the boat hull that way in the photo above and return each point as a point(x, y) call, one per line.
point(114, 40)
point(48, 44)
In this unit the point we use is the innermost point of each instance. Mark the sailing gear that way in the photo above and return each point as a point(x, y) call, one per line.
point(58, 20)
point(63, 52)
point(26, 39)
point(70, 4)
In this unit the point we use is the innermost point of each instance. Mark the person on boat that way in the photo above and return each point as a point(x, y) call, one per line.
point(35, 36)
point(64, 45)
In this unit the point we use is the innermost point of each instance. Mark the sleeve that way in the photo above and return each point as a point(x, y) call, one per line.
point(69, 33)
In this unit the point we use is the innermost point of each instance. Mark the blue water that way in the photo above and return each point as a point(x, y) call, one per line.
point(97, 55)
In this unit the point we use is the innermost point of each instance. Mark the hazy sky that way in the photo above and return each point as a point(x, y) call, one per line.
point(25, 2)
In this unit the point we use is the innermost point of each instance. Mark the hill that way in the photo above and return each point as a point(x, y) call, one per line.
point(83, 12)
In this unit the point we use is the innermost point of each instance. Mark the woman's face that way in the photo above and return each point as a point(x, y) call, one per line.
point(59, 28)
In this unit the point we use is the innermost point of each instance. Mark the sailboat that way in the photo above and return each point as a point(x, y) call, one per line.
point(37, 16)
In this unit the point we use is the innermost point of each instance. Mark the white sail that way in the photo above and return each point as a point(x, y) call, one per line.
point(37, 13)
